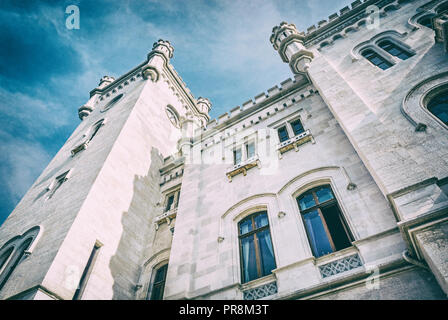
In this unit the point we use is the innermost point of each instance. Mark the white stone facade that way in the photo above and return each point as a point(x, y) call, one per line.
point(144, 138)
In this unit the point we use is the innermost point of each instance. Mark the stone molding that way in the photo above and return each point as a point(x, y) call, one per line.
point(413, 105)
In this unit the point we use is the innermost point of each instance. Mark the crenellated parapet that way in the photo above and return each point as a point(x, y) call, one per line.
point(260, 108)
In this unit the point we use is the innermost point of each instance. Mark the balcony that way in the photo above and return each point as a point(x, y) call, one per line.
point(294, 142)
point(242, 167)
point(167, 217)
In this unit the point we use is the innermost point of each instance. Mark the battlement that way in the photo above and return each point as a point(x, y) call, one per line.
point(347, 17)
point(255, 103)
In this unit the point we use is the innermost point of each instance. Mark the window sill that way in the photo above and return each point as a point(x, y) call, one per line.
point(242, 167)
point(335, 255)
point(294, 142)
point(167, 217)
point(257, 282)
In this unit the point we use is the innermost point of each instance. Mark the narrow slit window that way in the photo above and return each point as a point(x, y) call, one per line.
point(325, 225)
point(87, 272)
point(57, 184)
point(376, 59)
point(394, 50)
point(95, 129)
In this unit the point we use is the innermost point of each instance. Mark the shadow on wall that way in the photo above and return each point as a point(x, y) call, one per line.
point(137, 227)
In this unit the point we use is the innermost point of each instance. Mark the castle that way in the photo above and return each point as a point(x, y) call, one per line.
point(333, 185)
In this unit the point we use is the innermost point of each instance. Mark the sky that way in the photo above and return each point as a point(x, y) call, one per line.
point(221, 51)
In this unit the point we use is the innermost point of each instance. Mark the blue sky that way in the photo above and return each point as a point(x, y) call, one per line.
point(221, 50)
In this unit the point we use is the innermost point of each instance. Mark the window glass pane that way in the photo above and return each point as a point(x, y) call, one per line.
point(376, 59)
point(266, 252)
point(316, 233)
point(332, 217)
point(250, 149)
point(261, 220)
point(394, 50)
point(439, 106)
point(426, 21)
point(169, 202)
point(297, 127)
point(245, 226)
point(283, 134)
point(161, 273)
point(237, 156)
point(306, 201)
point(249, 259)
point(324, 194)
point(157, 292)
point(5, 257)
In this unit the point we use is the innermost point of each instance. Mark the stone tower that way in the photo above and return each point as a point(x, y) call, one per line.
point(93, 203)
point(332, 185)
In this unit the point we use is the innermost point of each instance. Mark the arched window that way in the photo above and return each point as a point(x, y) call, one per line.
point(376, 59)
point(95, 129)
point(394, 50)
point(158, 284)
point(172, 116)
point(14, 261)
point(438, 106)
point(325, 225)
point(426, 21)
point(257, 253)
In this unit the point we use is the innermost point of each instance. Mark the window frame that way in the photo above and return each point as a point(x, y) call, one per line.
point(176, 196)
point(432, 94)
point(284, 126)
point(318, 205)
point(401, 46)
point(376, 52)
point(253, 233)
point(155, 269)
